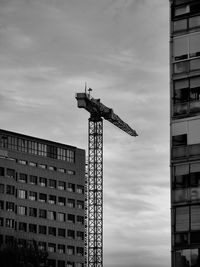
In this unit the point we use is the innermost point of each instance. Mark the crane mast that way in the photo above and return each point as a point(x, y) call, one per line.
point(94, 179)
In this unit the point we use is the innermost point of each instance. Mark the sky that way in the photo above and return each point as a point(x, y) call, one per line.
point(48, 50)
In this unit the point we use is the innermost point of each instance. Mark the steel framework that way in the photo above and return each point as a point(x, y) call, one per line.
point(94, 175)
point(95, 193)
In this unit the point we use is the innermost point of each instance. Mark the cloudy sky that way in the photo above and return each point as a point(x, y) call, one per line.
point(48, 50)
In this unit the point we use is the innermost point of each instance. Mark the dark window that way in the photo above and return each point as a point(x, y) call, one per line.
point(195, 237)
point(71, 218)
point(10, 190)
point(71, 202)
point(1, 221)
point(61, 201)
point(32, 196)
point(71, 234)
point(61, 248)
point(80, 235)
point(179, 140)
point(42, 229)
point(80, 204)
point(32, 212)
point(1, 188)
point(61, 232)
point(22, 226)
point(52, 199)
point(80, 189)
point(10, 206)
point(42, 197)
point(61, 263)
point(79, 251)
point(1, 204)
point(42, 213)
point(71, 187)
point(2, 171)
point(70, 250)
point(23, 178)
point(9, 240)
point(52, 183)
point(33, 179)
point(42, 181)
point(181, 239)
point(52, 231)
point(80, 219)
point(33, 228)
point(10, 173)
point(51, 263)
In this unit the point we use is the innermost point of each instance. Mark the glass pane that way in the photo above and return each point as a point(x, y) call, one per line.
point(194, 22)
point(181, 67)
point(180, 84)
point(181, 108)
point(194, 45)
point(182, 10)
point(181, 95)
point(180, 25)
point(182, 169)
point(180, 195)
point(180, 48)
point(182, 219)
point(194, 193)
point(195, 64)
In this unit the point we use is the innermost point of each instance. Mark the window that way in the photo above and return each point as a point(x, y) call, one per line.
point(33, 228)
point(10, 173)
point(79, 251)
point(80, 235)
point(195, 237)
point(52, 199)
point(70, 264)
point(179, 140)
point(10, 206)
point(42, 166)
point(42, 181)
point(42, 149)
point(32, 164)
point(194, 22)
point(61, 185)
point(80, 189)
point(52, 168)
point(42, 197)
point(181, 10)
point(2, 171)
point(71, 203)
point(32, 196)
point(180, 25)
point(32, 212)
point(33, 179)
point(80, 219)
point(23, 162)
point(51, 247)
point(22, 226)
point(41, 245)
point(61, 263)
point(42, 213)
point(42, 229)
point(61, 170)
point(61, 217)
point(1, 188)
point(61, 249)
point(71, 218)
point(189, 256)
point(186, 46)
point(71, 187)
point(70, 250)
point(181, 239)
point(22, 210)
point(79, 264)
point(51, 215)
point(23, 178)
point(70, 172)
point(61, 232)
point(52, 183)
point(71, 234)
point(10, 190)
point(51, 263)
point(80, 204)
point(52, 231)
point(1, 221)
point(9, 240)
point(1, 204)
point(61, 201)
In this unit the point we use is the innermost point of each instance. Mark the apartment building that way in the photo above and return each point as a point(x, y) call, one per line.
point(42, 197)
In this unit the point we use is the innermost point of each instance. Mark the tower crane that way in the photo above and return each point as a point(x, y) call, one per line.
point(94, 181)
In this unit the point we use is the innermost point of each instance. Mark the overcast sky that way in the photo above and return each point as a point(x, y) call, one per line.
point(48, 50)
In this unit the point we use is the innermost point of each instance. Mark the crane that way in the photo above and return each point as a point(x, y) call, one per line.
point(94, 180)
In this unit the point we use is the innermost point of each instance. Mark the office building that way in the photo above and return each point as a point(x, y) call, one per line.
point(185, 132)
point(42, 197)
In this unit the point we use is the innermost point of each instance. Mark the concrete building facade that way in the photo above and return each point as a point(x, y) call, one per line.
point(185, 132)
point(42, 197)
